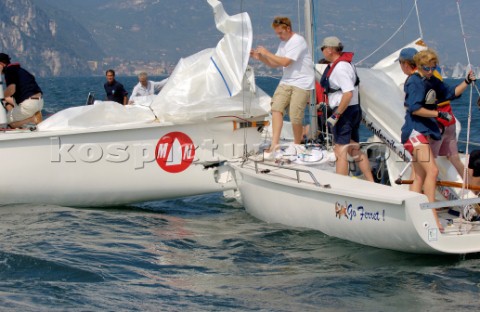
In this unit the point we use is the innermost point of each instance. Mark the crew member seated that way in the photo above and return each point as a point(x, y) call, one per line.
point(23, 96)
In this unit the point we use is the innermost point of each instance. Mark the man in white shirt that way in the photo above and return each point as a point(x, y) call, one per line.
point(145, 87)
point(298, 79)
point(340, 82)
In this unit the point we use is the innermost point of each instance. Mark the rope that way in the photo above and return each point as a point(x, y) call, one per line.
point(418, 20)
point(390, 38)
point(469, 119)
point(245, 148)
point(298, 18)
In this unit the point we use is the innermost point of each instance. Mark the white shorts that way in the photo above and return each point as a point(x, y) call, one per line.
point(25, 110)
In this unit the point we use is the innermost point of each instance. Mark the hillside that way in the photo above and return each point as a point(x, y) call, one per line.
point(47, 41)
point(154, 34)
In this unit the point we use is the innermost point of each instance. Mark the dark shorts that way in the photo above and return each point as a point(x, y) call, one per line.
point(474, 162)
point(348, 125)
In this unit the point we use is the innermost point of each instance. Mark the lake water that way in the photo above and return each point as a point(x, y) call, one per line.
point(205, 253)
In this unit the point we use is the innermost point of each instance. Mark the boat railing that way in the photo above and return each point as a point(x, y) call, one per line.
point(451, 203)
point(297, 171)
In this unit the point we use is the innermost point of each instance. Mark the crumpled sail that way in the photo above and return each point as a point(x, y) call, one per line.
point(101, 113)
point(214, 82)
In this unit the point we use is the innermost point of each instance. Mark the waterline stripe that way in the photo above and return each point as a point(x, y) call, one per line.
point(220, 72)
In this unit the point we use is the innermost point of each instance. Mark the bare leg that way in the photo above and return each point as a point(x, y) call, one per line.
point(362, 160)
point(341, 159)
point(424, 163)
point(457, 163)
point(297, 133)
point(417, 178)
point(277, 124)
point(19, 124)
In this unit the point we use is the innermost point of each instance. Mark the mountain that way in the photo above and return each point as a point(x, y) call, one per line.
point(45, 40)
point(151, 35)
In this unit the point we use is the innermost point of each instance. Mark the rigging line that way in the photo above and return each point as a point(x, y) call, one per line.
point(298, 17)
point(388, 40)
point(244, 152)
point(418, 20)
point(469, 118)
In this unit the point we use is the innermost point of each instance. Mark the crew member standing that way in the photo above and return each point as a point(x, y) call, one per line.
point(340, 81)
point(298, 79)
point(114, 89)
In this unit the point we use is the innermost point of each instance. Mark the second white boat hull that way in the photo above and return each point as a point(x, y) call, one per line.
point(350, 209)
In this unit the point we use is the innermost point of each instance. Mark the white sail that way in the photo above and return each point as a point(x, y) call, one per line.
point(211, 83)
point(458, 71)
point(215, 77)
point(443, 72)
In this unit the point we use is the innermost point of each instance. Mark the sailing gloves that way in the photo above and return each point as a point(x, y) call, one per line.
point(445, 116)
point(332, 120)
point(470, 77)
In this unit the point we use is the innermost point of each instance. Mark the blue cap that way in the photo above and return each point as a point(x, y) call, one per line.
point(407, 54)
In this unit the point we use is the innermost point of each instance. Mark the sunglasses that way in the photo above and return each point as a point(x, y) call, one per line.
point(426, 68)
point(280, 22)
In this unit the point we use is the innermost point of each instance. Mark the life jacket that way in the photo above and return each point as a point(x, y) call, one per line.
point(344, 57)
point(444, 107)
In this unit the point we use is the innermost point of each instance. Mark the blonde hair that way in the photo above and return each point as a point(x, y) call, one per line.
point(281, 21)
point(426, 57)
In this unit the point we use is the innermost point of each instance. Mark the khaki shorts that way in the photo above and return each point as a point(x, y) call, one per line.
point(25, 110)
point(294, 98)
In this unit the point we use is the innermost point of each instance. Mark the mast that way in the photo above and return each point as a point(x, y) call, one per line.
point(310, 38)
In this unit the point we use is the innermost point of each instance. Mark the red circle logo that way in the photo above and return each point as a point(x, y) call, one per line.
point(174, 152)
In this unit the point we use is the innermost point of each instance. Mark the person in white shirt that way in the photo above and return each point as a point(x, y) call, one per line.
point(145, 87)
point(298, 79)
point(340, 82)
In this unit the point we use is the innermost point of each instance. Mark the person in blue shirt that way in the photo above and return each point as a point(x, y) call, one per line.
point(420, 127)
point(114, 89)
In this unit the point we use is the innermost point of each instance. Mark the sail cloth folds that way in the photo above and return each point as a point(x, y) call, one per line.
point(211, 82)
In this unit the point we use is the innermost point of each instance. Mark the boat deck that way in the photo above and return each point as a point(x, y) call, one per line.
point(453, 224)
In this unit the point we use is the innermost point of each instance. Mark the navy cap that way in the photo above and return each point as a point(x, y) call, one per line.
point(407, 54)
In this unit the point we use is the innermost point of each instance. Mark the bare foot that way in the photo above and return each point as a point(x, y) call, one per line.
point(439, 224)
point(37, 118)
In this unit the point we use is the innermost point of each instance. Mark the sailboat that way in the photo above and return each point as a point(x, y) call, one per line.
point(458, 71)
point(107, 154)
point(443, 73)
point(383, 216)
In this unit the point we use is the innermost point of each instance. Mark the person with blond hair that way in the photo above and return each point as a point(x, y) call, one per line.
point(298, 79)
point(447, 145)
point(422, 91)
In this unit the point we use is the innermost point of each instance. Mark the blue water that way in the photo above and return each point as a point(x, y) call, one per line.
point(205, 253)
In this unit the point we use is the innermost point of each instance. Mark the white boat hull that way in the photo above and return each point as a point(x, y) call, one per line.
point(116, 166)
point(351, 209)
